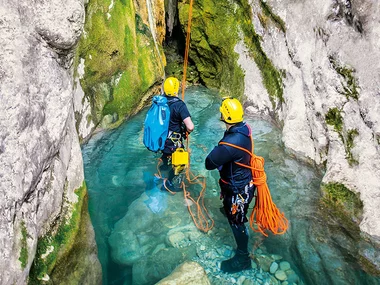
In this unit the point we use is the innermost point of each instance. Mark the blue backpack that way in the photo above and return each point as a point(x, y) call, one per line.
point(156, 124)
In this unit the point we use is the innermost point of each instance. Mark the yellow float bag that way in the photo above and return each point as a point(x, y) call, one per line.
point(180, 157)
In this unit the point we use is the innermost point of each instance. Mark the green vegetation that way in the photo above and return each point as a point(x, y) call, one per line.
point(121, 61)
point(272, 78)
point(368, 266)
point(351, 134)
point(343, 208)
point(349, 82)
point(342, 199)
point(216, 29)
point(58, 241)
point(269, 13)
point(334, 118)
point(344, 205)
point(24, 246)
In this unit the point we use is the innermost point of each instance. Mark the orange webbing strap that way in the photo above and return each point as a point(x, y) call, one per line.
point(265, 214)
point(185, 60)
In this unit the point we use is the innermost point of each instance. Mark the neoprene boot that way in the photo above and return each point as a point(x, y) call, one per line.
point(241, 260)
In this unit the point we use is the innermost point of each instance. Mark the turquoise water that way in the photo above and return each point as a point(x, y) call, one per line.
point(143, 233)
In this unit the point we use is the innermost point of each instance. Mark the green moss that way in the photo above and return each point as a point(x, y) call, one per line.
point(58, 241)
point(343, 209)
point(351, 134)
point(121, 60)
point(349, 82)
point(334, 118)
point(78, 266)
point(24, 246)
point(216, 29)
point(339, 197)
point(213, 38)
point(368, 266)
point(272, 78)
point(269, 13)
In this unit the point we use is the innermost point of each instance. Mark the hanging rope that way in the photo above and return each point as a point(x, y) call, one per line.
point(186, 57)
point(200, 216)
point(265, 214)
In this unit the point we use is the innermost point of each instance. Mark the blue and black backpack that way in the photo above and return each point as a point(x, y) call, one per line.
point(156, 124)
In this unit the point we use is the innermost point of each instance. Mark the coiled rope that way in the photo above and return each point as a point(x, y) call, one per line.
point(265, 214)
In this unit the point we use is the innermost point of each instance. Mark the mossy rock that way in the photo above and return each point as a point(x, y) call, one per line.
point(217, 26)
point(67, 253)
point(119, 52)
point(339, 196)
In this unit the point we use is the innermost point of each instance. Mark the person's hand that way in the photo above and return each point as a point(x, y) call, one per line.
point(185, 134)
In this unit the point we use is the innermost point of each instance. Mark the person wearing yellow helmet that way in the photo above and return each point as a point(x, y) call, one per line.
point(180, 126)
point(236, 182)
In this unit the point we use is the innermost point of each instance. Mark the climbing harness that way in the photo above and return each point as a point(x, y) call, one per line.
point(175, 138)
point(265, 214)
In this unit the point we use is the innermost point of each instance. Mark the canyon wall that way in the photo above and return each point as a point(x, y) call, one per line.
point(43, 194)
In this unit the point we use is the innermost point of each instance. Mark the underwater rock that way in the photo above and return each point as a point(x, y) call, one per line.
point(188, 273)
point(280, 275)
point(151, 269)
point(125, 247)
point(284, 265)
point(273, 267)
point(264, 261)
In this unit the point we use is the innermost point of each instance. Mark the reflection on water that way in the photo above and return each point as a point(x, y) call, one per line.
point(142, 232)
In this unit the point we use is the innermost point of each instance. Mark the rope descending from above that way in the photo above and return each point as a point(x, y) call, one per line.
point(186, 56)
point(200, 217)
point(265, 214)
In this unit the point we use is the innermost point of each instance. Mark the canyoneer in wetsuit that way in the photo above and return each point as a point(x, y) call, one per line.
point(180, 126)
point(235, 182)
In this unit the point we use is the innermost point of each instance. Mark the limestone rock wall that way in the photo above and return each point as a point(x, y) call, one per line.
point(329, 54)
point(310, 66)
point(40, 157)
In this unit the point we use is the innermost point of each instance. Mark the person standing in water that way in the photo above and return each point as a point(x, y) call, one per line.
point(236, 182)
point(180, 126)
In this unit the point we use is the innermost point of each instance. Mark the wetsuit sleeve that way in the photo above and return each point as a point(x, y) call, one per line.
point(217, 157)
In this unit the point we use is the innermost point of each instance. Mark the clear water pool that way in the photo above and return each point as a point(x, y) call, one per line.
point(143, 232)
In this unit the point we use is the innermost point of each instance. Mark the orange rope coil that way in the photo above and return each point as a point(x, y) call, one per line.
point(265, 214)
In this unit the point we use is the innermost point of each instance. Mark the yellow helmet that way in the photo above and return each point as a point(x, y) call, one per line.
point(171, 86)
point(231, 111)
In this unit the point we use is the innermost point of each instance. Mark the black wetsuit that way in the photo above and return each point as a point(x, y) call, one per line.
point(178, 112)
point(235, 181)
